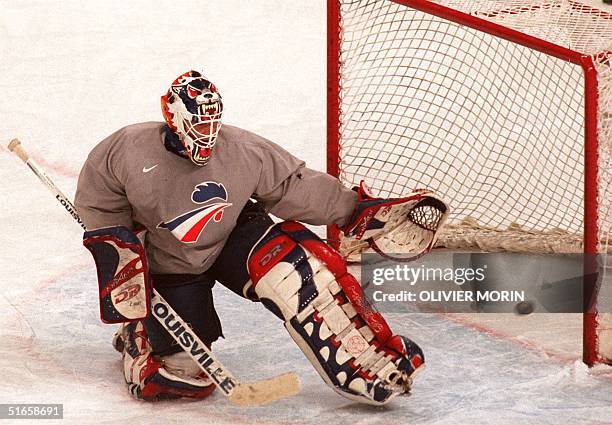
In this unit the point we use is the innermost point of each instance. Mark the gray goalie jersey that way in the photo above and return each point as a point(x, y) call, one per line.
point(189, 211)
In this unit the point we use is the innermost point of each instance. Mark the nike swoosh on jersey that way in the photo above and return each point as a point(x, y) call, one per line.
point(146, 170)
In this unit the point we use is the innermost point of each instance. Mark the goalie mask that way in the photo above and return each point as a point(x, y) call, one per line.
point(192, 108)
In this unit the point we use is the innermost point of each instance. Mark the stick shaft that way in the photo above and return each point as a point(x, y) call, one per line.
point(17, 149)
point(191, 343)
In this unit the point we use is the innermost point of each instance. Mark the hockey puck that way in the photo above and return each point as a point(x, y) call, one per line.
point(524, 307)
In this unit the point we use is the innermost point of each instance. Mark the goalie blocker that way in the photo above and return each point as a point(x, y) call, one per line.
point(123, 280)
point(306, 284)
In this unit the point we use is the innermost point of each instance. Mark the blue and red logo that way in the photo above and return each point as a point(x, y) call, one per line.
point(189, 226)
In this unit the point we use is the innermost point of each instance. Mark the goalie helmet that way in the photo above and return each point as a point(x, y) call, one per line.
point(192, 108)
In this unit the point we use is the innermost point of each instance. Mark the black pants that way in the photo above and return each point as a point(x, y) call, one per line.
point(191, 295)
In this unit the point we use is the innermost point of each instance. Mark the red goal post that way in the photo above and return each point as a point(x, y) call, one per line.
point(504, 107)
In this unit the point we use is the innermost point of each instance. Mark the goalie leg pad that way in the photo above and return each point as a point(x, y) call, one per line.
point(306, 284)
point(123, 281)
point(153, 378)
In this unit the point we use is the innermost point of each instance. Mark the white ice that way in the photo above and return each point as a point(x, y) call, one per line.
point(73, 72)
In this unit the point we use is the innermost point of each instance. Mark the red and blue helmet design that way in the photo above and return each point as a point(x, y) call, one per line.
point(192, 108)
point(189, 226)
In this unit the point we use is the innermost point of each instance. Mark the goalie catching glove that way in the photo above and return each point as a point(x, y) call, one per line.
point(306, 284)
point(407, 225)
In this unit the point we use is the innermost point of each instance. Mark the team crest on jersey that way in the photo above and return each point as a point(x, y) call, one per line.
point(189, 226)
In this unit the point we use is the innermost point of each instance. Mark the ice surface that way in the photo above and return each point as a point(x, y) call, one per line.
point(74, 71)
point(55, 350)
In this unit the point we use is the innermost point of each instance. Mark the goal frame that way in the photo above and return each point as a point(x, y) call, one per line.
point(591, 147)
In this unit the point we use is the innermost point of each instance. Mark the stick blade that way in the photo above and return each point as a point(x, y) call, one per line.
point(266, 391)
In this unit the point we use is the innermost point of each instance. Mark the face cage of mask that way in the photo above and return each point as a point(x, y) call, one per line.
point(192, 137)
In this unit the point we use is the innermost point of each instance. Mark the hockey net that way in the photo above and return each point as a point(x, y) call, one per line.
point(504, 108)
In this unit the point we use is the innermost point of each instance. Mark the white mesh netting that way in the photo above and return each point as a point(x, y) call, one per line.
point(494, 127)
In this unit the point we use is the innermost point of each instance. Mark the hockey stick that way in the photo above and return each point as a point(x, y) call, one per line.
point(245, 394)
